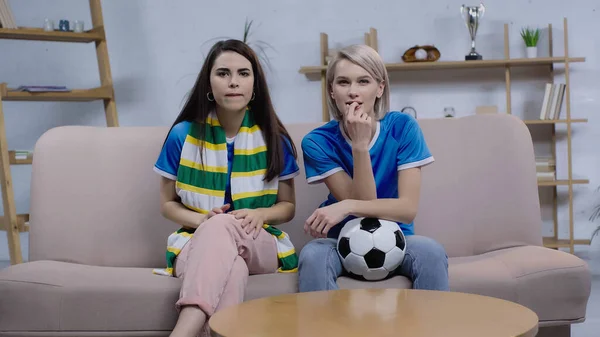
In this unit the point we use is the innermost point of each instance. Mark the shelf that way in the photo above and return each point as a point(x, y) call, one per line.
point(76, 95)
point(14, 161)
point(551, 242)
point(22, 223)
point(38, 34)
point(461, 64)
point(562, 182)
point(554, 121)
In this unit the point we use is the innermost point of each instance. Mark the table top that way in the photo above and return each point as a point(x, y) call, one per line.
point(375, 312)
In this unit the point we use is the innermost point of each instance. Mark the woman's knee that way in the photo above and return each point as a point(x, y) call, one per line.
point(219, 227)
point(218, 222)
point(426, 248)
point(317, 251)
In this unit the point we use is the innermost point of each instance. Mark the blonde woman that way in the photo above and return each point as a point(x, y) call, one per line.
point(370, 159)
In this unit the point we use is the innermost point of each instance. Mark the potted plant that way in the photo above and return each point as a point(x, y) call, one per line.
point(259, 47)
point(531, 37)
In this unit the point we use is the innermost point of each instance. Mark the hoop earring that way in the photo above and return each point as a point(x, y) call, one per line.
point(209, 95)
point(253, 96)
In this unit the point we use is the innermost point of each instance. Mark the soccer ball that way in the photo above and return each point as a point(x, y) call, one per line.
point(371, 249)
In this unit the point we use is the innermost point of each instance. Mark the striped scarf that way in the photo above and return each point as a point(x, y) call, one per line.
point(201, 187)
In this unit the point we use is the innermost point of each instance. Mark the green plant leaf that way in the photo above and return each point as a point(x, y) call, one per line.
point(530, 36)
point(595, 216)
point(260, 47)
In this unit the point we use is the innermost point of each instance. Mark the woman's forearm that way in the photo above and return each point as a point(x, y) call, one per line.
point(394, 209)
point(176, 212)
point(279, 213)
point(363, 181)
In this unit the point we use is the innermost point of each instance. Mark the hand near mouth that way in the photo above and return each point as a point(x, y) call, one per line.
point(358, 126)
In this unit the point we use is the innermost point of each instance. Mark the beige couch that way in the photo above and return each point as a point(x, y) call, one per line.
point(96, 231)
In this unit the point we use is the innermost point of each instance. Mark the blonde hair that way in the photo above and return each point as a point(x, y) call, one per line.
point(368, 59)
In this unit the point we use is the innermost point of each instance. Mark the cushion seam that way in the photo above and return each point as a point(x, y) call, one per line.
point(547, 270)
point(515, 291)
point(32, 282)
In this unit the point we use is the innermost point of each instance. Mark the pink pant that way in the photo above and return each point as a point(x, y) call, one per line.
point(216, 262)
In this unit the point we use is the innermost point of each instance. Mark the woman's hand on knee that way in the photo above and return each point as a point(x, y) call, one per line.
point(253, 220)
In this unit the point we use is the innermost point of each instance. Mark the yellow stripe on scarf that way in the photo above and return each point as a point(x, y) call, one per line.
point(249, 130)
point(205, 144)
point(248, 174)
point(250, 151)
point(243, 195)
point(287, 271)
point(286, 254)
point(200, 190)
point(199, 210)
point(202, 167)
point(174, 250)
point(212, 121)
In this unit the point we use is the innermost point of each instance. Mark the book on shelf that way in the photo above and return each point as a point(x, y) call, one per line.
point(553, 101)
point(21, 154)
point(546, 176)
point(545, 168)
point(42, 88)
point(545, 162)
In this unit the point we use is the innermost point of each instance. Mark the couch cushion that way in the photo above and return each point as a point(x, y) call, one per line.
point(536, 277)
point(59, 296)
point(50, 296)
point(270, 285)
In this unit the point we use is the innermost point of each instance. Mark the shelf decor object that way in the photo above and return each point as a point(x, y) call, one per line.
point(12, 222)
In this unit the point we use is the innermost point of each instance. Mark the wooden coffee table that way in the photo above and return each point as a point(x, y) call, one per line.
point(375, 312)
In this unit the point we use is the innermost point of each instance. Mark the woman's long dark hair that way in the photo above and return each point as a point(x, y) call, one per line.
point(198, 107)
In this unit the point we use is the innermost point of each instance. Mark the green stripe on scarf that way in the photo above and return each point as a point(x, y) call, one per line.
point(249, 163)
point(212, 134)
point(202, 179)
point(255, 202)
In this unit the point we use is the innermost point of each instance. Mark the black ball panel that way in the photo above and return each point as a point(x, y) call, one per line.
point(369, 224)
point(375, 258)
point(344, 247)
point(400, 240)
point(354, 276)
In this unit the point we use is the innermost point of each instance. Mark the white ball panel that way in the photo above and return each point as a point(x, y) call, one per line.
point(350, 227)
point(392, 226)
point(375, 274)
point(384, 239)
point(393, 259)
point(361, 242)
point(355, 264)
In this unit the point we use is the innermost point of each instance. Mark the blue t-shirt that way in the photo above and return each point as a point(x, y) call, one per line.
point(168, 159)
point(398, 144)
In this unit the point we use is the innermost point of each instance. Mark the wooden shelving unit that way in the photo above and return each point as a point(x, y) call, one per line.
point(38, 34)
point(507, 64)
point(12, 222)
point(549, 121)
point(76, 95)
point(461, 64)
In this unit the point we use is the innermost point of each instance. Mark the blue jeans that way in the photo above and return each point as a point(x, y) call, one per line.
point(425, 264)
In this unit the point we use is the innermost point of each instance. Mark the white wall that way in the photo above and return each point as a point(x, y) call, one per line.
point(156, 49)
